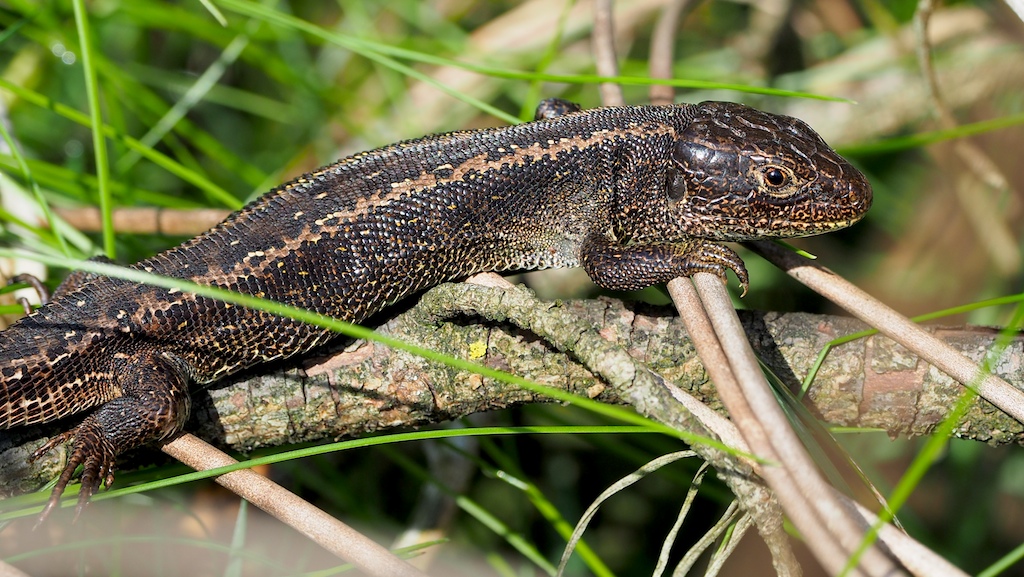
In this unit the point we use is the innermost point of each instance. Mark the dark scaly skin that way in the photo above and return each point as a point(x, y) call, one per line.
point(635, 195)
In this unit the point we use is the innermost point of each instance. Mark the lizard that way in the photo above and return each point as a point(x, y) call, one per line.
point(636, 195)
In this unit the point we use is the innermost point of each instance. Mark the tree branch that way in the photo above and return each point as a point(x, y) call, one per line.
point(872, 382)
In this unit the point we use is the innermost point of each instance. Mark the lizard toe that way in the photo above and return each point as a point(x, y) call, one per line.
point(94, 452)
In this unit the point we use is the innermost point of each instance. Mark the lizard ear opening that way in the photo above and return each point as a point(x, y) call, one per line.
point(675, 184)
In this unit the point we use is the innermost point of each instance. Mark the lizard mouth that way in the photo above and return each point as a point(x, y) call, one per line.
point(842, 208)
point(822, 227)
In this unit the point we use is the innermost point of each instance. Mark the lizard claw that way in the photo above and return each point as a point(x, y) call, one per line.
point(741, 273)
point(91, 450)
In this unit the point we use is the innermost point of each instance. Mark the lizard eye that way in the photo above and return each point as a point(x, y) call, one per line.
point(776, 176)
point(778, 181)
point(676, 185)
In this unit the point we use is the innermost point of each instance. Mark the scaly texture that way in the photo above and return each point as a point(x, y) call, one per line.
point(635, 195)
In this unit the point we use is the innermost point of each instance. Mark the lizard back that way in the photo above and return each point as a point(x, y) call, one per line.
point(344, 241)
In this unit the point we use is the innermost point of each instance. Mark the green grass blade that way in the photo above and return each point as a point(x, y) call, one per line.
point(150, 107)
point(516, 540)
point(360, 47)
point(378, 50)
point(207, 80)
point(514, 476)
point(78, 186)
point(926, 138)
point(212, 9)
point(12, 30)
point(28, 504)
point(99, 141)
point(1007, 561)
point(19, 159)
point(215, 192)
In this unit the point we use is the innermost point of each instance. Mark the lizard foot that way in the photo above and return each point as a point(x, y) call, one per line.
point(636, 266)
point(716, 259)
point(92, 450)
point(154, 404)
point(36, 284)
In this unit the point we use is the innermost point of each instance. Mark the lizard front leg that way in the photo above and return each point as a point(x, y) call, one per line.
point(154, 404)
point(637, 266)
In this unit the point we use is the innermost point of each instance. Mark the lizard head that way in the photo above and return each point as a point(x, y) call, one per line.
point(739, 174)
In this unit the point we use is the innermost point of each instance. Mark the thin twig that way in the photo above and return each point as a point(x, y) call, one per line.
point(604, 52)
point(662, 42)
point(895, 326)
point(797, 470)
point(718, 559)
point(692, 313)
point(831, 531)
point(825, 546)
point(145, 219)
point(980, 208)
point(917, 558)
point(684, 511)
point(729, 517)
point(326, 531)
point(694, 316)
point(620, 485)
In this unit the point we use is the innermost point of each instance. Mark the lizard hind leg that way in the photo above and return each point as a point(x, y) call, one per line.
point(154, 404)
